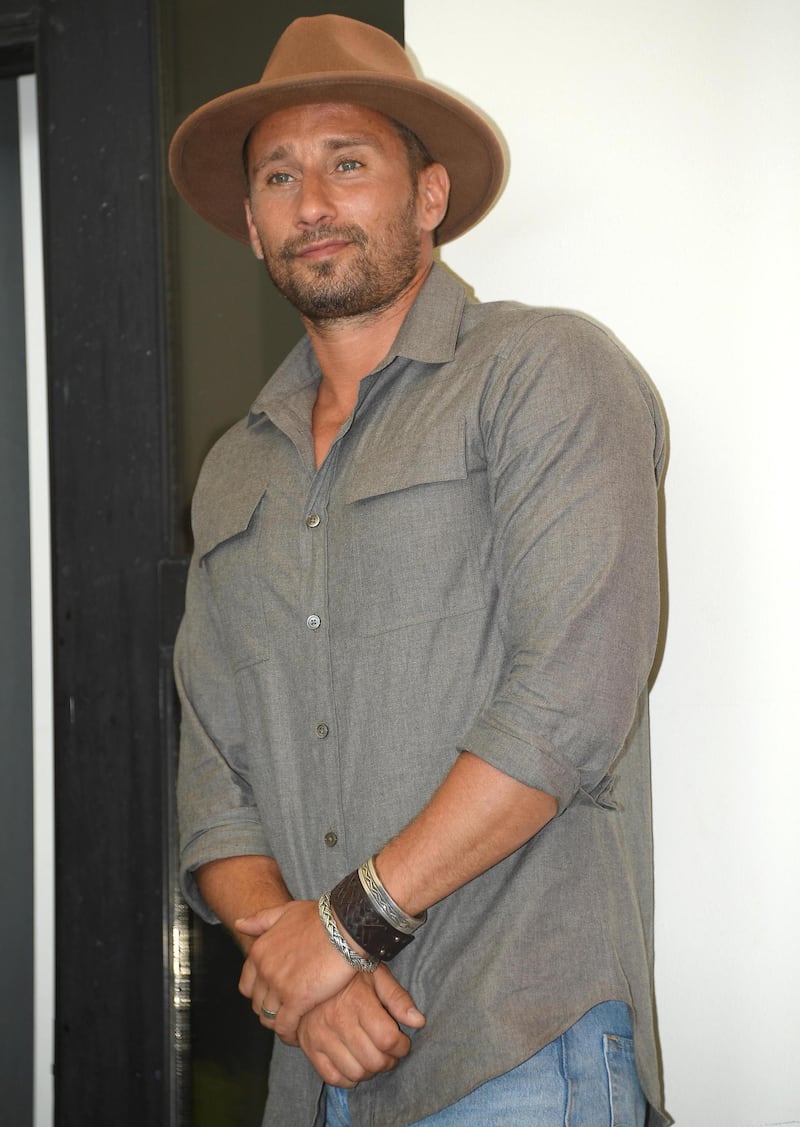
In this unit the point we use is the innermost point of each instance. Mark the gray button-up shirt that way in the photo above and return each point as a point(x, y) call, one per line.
point(473, 566)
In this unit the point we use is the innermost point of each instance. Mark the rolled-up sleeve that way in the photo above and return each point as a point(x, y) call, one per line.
point(574, 447)
point(216, 809)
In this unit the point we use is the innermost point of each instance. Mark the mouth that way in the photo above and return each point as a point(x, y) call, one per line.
point(322, 244)
point(324, 249)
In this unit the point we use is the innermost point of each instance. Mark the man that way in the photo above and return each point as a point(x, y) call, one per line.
point(419, 625)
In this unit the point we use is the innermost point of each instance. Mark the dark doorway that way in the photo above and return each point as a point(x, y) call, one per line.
point(229, 329)
point(131, 298)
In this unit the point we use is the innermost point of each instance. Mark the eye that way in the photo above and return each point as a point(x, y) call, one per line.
point(280, 178)
point(349, 165)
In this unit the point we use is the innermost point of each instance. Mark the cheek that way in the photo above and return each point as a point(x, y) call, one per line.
point(266, 233)
point(366, 206)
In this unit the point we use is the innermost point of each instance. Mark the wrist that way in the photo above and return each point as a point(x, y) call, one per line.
point(370, 915)
point(349, 939)
point(399, 880)
point(394, 909)
point(330, 922)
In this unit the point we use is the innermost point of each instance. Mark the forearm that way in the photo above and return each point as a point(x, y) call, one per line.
point(234, 887)
point(478, 816)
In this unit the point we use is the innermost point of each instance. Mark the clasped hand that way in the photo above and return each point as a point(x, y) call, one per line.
point(347, 1023)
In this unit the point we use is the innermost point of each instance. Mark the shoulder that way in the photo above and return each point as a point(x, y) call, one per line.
point(564, 344)
point(223, 462)
point(551, 364)
point(509, 328)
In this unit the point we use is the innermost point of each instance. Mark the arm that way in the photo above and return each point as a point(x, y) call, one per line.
point(345, 1042)
point(477, 817)
point(227, 872)
point(286, 947)
point(353, 1035)
point(241, 886)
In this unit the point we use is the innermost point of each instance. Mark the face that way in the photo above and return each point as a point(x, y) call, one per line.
point(333, 211)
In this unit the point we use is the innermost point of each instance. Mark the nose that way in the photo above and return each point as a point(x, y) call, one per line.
point(315, 205)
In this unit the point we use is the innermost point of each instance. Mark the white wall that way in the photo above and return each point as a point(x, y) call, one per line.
point(655, 183)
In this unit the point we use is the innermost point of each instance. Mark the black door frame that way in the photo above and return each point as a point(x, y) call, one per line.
point(101, 201)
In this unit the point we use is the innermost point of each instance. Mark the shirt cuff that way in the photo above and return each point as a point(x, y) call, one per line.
point(523, 761)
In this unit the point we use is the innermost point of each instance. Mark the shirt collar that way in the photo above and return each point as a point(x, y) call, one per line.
point(429, 335)
point(430, 330)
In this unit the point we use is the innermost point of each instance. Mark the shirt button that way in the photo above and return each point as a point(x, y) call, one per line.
point(313, 622)
point(313, 520)
point(330, 839)
point(322, 730)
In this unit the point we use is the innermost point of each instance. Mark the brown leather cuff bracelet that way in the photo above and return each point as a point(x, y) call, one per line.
point(363, 923)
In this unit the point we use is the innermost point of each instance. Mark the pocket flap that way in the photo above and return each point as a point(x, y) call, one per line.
point(220, 519)
point(407, 460)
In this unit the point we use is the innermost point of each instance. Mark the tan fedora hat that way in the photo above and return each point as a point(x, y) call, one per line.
point(335, 59)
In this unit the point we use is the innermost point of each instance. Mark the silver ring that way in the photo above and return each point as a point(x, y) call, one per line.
point(270, 1015)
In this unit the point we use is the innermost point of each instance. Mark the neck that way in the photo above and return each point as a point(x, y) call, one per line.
point(349, 348)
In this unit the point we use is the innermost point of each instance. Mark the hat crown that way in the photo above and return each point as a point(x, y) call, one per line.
point(323, 44)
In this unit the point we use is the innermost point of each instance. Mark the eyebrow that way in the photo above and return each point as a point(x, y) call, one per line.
point(370, 139)
point(334, 144)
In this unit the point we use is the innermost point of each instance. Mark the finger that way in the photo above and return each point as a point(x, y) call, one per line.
point(384, 1037)
point(330, 1072)
point(337, 1059)
point(378, 1050)
point(267, 1012)
point(286, 1023)
point(247, 979)
point(396, 1000)
point(361, 1021)
point(259, 923)
point(353, 1057)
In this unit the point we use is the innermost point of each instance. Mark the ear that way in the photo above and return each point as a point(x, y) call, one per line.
point(255, 241)
point(434, 192)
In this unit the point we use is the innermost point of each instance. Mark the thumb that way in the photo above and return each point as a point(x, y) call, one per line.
point(260, 922)
point(395, 999)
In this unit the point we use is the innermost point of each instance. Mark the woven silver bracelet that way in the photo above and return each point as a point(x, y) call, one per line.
point(359, 962)
point(383, 903)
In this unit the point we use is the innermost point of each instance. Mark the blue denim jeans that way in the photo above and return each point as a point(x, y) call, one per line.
point(585, 1078)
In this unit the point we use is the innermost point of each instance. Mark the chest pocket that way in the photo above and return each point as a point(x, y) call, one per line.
point(227, 546)
point(416, 520)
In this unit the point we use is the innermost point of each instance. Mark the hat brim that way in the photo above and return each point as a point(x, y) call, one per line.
point(205, 157)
